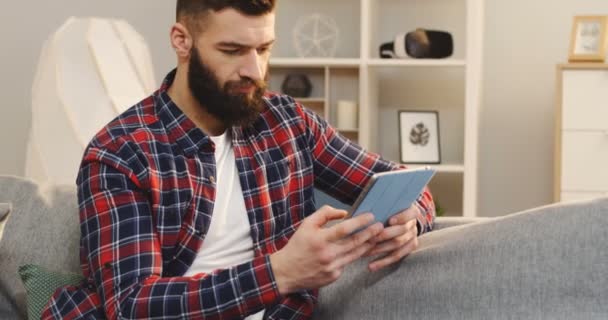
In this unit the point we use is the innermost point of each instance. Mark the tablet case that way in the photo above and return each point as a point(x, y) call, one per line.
point(389, 193)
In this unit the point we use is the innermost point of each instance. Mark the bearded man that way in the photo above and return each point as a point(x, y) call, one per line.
point(198, 201)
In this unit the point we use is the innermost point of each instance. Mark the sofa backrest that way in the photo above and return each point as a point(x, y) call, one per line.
point(42, 228)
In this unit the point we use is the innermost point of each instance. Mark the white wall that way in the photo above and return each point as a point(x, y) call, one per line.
point(24, 25)
point(524, 40)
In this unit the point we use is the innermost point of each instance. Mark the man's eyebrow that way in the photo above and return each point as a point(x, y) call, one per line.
point(233, 44)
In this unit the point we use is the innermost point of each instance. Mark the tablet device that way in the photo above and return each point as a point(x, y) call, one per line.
point(389, 193)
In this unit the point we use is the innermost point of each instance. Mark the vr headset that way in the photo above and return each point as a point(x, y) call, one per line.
point(419, 44)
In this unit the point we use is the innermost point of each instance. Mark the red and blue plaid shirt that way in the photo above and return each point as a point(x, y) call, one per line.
point(146, 191)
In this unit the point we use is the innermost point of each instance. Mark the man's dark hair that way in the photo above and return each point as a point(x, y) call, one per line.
point(193, 12)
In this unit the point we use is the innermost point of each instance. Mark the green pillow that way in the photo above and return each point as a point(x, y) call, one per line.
point(40, 284)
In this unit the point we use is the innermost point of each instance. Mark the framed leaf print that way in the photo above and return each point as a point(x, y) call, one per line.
point(419, 137)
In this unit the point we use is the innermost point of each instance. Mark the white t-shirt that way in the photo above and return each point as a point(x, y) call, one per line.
point(228, 241)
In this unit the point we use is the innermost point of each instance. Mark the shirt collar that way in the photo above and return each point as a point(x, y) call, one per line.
point(179, 127)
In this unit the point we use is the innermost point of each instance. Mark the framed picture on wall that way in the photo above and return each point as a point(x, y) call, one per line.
point(419, 137)
point(588, 41)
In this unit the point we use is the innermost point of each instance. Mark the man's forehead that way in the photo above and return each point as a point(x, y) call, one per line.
point(231, 26)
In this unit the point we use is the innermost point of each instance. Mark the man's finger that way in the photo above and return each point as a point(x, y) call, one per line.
point(326, 214)
point(404, 216)
point(347, 227)
point(393, 244)
point(359, 238)
point(353, 255)
point(393, 257)
point(392, 232)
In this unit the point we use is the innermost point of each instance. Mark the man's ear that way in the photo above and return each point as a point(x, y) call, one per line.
point(181, 40)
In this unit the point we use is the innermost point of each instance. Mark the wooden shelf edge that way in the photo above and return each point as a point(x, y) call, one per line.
point(582, 65)
point(417, 62)
point(315, 62)
point(443, 168)
point(310, 100)
point(347, 130)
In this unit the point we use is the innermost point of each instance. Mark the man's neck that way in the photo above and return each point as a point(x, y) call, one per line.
point(181, 95)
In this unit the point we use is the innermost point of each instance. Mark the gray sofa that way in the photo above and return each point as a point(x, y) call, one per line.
point(545, 263)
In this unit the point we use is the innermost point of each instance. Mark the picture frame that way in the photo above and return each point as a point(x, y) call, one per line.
point(419, 140)
point(588, 41)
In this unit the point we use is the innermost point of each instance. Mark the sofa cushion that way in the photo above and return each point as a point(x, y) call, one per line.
point(42, 229)
point(40, 284)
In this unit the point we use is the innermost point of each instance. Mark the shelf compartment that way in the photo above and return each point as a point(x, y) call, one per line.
point(447, 191)
point(315, 75)
point(346, 14)
point(343, 85)
point(420, 89)
point(350, 134)
point(391, 17)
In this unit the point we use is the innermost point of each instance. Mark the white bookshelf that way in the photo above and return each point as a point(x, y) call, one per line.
point(382, 87)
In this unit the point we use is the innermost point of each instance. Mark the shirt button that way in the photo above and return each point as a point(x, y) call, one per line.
point(212, 179)
point(107, 265)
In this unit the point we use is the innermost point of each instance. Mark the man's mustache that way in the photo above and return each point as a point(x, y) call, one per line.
point(246, 83)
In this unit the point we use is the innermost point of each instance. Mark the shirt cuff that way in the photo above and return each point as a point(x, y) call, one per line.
point(261, 290)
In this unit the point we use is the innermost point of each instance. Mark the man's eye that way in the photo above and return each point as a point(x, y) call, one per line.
point(263, 50)
point(231, 52)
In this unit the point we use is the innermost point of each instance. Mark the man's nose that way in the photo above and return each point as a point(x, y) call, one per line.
point(252, 66)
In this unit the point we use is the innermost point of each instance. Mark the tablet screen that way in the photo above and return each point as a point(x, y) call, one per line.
point(389, 193)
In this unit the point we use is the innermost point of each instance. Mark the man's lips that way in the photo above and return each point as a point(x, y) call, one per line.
point(244, 89)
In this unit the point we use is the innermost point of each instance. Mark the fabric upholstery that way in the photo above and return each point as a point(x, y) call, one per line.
point(545, 263)
point(42, 230)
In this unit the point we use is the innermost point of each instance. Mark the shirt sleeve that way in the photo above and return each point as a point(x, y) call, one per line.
point(342, 168)
point(295, 306)
point(123, 254)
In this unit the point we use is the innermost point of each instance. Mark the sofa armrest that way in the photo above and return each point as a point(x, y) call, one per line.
point(543, 263)
point(5, 208)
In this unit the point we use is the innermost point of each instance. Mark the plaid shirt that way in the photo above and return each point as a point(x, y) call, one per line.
point(146, 189)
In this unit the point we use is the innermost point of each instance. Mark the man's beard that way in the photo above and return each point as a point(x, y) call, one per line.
point(225, 103)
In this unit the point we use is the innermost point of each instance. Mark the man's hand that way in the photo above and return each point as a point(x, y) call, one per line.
point(315, 256)
point(396, 241)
